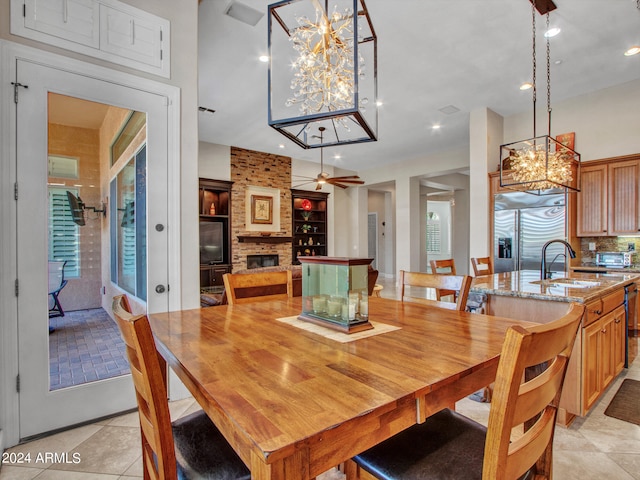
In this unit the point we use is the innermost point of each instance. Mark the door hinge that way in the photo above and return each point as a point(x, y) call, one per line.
point(18, 383)
point(15, 90)
point(15, 190)
point(160, 54)
point(17, 287)
point(24, 10)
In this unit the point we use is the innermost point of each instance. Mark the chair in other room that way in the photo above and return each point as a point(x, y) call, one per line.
point(458, 284)
point(449, 445)
point(257, 287)
point(56, 283)
point(191, 447)
point(482, 266)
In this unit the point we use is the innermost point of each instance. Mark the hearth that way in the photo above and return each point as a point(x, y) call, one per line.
point(257, 261)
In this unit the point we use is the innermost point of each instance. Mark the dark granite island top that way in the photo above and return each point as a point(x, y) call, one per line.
point(564, 287)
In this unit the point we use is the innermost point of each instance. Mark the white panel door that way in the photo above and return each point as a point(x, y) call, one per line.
point(41, 408)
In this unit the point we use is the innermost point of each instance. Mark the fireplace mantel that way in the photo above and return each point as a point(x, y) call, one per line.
point(263, 239)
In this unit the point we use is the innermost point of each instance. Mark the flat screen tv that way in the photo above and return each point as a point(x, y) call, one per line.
point(211, 243)
point(76, 205)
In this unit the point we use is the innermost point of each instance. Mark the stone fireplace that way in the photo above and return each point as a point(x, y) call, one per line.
point(251, 168)
point(257, 261)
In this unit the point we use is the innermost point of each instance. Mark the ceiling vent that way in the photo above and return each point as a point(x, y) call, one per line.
point(449, 109)
point(244, 13)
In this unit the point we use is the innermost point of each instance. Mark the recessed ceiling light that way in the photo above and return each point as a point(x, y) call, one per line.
point(632, 51)
point(435, 127)
point(281, 145)
point(379, 103)
point(552, 32)
point(557, 62)
point(337, 156)
point(264, 58)
point(526, 86)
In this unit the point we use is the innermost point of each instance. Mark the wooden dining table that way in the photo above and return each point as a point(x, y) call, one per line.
point(293, 403)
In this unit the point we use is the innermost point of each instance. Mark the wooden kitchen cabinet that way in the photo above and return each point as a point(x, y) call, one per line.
point(608, 203)
point(602, 355)
point(592, 201)
point(623, 197)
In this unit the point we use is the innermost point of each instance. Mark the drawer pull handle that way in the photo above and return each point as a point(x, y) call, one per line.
point(597, 312)
point(604, 330)
point(617, 320)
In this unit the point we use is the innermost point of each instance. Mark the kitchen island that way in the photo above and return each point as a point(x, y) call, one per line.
point(600, 348)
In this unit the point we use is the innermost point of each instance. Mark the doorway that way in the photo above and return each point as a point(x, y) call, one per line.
point(43, 408)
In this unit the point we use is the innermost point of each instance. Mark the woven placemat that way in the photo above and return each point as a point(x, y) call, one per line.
point(326, 332)
point(626, 402)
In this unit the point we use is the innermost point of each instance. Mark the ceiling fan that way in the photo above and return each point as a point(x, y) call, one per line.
point(323, 177)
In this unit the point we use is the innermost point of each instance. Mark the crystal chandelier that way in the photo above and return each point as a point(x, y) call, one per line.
point(318, 71)
point(540, 165)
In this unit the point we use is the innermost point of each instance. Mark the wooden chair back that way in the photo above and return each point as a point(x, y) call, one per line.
point(520, 400)
point(258, 287)
point(460, 284)
point(148, 370)
point(482, 266)
point(445, 267)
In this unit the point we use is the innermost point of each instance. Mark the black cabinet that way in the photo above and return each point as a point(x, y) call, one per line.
point(215, 231)
point(309, 216)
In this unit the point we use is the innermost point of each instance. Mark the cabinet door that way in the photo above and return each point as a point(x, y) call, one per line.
point(623, 198)
point(74, 20)
point(138, 38)
point(592, 202)
point(618, 340)
point(590, 364)
point(607, 345)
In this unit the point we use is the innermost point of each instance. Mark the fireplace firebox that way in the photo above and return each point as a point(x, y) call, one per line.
point(257, 261)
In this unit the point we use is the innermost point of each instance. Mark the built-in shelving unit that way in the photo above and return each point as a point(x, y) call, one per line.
point(309, 223)
point(215, 232)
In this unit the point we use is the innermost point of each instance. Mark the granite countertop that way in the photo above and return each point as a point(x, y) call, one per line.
point(592, 267)
point(588, 287)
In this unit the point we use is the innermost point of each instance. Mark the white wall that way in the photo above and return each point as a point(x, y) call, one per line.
point(605, 122)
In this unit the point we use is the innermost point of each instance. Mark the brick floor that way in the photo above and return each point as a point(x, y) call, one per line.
point(85, 346)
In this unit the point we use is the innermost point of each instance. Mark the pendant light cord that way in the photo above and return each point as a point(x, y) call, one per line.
point(549, 81)
point(533, 41)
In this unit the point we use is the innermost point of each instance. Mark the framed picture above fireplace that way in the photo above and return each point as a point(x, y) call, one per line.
point(262, 209)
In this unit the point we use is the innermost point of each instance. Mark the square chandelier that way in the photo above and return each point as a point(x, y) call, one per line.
point(322, 72)
point(540, 165)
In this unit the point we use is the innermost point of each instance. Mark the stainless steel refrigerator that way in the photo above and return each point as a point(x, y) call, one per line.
point(523, 223)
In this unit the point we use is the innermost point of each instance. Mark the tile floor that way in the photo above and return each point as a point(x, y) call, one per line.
point(85, 346)
point(593, 447)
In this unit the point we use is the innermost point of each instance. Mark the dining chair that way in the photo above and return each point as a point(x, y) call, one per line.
point(191, 447)
point(452, 446)
point(460, 284)
point(482, 266)
point(257, 287)
point(445, 267)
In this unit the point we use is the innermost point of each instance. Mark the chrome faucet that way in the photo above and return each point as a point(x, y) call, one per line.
point(543, 264)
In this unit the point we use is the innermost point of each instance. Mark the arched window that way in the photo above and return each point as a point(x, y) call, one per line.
point(434, 233)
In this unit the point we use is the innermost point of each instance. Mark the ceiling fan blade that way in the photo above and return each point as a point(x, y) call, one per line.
point(355, 177)
point(302, 184)
point(303, 177)
point(339, 185)
point(343, 180)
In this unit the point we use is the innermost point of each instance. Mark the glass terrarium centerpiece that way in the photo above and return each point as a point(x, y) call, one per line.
point(335, 292)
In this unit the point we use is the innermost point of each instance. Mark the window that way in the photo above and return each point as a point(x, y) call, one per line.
point(134, 123)
point(64, 234)
point(434, 235)
point(128, 226)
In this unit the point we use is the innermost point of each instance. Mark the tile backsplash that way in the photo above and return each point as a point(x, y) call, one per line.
point(606, 244)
